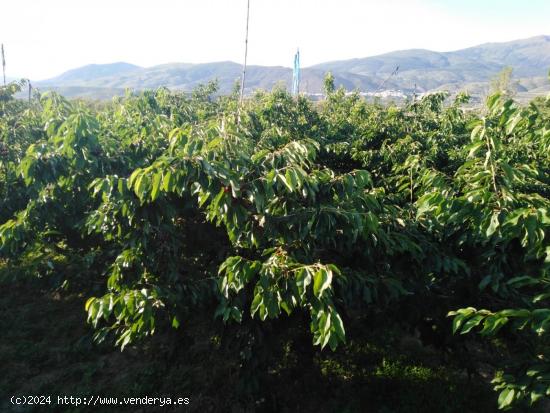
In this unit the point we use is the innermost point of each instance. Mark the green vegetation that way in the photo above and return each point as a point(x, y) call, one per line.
point(282, 256)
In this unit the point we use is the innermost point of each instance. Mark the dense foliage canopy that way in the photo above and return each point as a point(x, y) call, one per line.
point(162, 205)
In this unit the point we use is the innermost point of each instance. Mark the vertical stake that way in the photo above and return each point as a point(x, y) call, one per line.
point(3, 64)
point(245, 51)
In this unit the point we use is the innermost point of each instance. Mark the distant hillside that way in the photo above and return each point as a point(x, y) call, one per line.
point(186, 76)
point(91, 73)
point(419, 70)
point(430, 70)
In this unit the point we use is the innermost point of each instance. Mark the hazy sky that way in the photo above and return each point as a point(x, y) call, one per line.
point(43, 38)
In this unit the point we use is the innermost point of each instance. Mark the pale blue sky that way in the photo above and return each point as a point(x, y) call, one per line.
point(46, 37)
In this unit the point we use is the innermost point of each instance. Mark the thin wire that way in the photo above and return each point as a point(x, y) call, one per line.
point(386, 79)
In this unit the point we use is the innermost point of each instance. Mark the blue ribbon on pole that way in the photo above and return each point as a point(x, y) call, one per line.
point(296, 74)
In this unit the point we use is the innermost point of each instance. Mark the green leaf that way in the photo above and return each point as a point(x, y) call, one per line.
point(474, 148)
point(303, 279)
point(157, 178)
point(89, 302)
point(471, 323)
point(256, 302)
point(321, 281)
point(291, 179)
point(338, 325)
point(506, 397)
point(167, 181)
point(493, 225)
point(492, 325)
point(286, 182)
point(512, 123)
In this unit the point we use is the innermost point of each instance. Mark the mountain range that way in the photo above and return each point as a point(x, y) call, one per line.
point(406, 71)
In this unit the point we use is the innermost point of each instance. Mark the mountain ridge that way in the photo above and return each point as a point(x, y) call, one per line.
point(419, 70)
